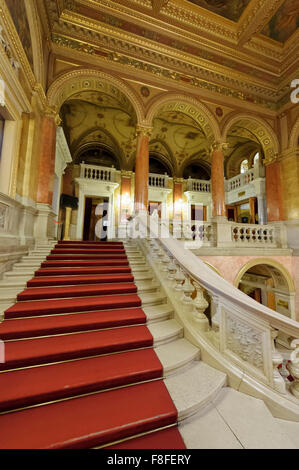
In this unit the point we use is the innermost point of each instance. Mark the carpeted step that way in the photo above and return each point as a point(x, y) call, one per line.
point(169, 438)
point(72, 280)
point(90, 244)
point(88, 256)
point(83, 271)
point(68, 323)
point(52, 382)
point(85, 304)
point(77, 291)
point(90, 421)
point(80, 251)
point(35, 351)
point(84, 262)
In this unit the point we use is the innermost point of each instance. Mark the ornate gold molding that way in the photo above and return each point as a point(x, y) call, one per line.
point(270, 158)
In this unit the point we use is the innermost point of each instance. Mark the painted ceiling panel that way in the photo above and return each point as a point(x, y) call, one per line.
point(284, 23)
point(231, 9)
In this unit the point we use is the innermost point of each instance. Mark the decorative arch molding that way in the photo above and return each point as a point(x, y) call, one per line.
point(261, 129)
point(294, 136)
point(189, 106)
point(269, 262)
point(80, 80)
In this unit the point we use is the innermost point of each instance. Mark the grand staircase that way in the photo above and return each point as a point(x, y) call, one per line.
point(95, 359)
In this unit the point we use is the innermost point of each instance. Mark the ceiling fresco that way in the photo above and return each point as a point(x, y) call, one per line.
point(93, 118)
point(284, 23)
point(231, 9)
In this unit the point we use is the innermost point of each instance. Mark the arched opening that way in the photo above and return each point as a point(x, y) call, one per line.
point(99, 124)
point(183, 134)
point(250, 141)
point(268, 283)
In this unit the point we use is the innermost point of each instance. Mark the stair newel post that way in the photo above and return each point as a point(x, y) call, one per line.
point(294, 367)
point(200, 305)
point(277, 359)
point(188, 290)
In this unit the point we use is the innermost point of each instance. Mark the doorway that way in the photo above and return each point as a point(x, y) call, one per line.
point(198, 212)
point(154, 205)
point(96, 210)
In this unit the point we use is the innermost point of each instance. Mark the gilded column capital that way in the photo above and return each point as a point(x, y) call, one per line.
point(178, 180)
point(126, 173)
point(270, 158)
point(145, 131)
point(218, 146)
point(50, 112)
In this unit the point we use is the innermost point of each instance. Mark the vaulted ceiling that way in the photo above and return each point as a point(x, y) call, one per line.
point(249, 48)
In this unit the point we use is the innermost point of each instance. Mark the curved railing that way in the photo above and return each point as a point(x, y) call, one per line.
point(246, 333)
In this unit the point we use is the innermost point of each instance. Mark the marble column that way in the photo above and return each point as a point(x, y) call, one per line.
point(142, 169)
point(125, 201)
point(218, 188)
point(45, 225)
point(47, 158)
point(274, 192)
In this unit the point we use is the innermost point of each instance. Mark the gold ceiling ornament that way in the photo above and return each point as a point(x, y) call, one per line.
point(144, 131)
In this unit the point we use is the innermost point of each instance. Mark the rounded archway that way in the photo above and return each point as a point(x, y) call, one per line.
point(246, 135)
point(187, 128)
point(269, 283)
point(294, 137)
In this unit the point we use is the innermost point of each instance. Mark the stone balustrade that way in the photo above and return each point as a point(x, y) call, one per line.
point(254, 235)
point(158, 181)
point(240, 180)
point(234, 332)
point(97, 173)
point(201, 186)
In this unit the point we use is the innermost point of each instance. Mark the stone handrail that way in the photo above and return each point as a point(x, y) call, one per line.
point(246, 340)
point(201, 186)
point(240, 180)
point(253, 234)
point(97, 173)
point(158, 181)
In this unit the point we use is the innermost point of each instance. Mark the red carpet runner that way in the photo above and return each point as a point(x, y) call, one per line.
point(80, 370)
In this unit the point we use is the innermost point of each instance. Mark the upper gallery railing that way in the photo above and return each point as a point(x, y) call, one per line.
point(240, 180)
point(244, 339)
point(97, 173)
point(229, 234)
point(201, 186)
point(158, 181)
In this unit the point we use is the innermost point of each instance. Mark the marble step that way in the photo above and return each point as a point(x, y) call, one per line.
point(165, 331)
point(158, 312)
point(154, 298)
point(176, 355)
point(242, 422)
point(147, 286)
point(194, 388)
point(19, 274)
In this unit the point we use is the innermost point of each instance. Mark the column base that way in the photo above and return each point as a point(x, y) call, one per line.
point(44, 225)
